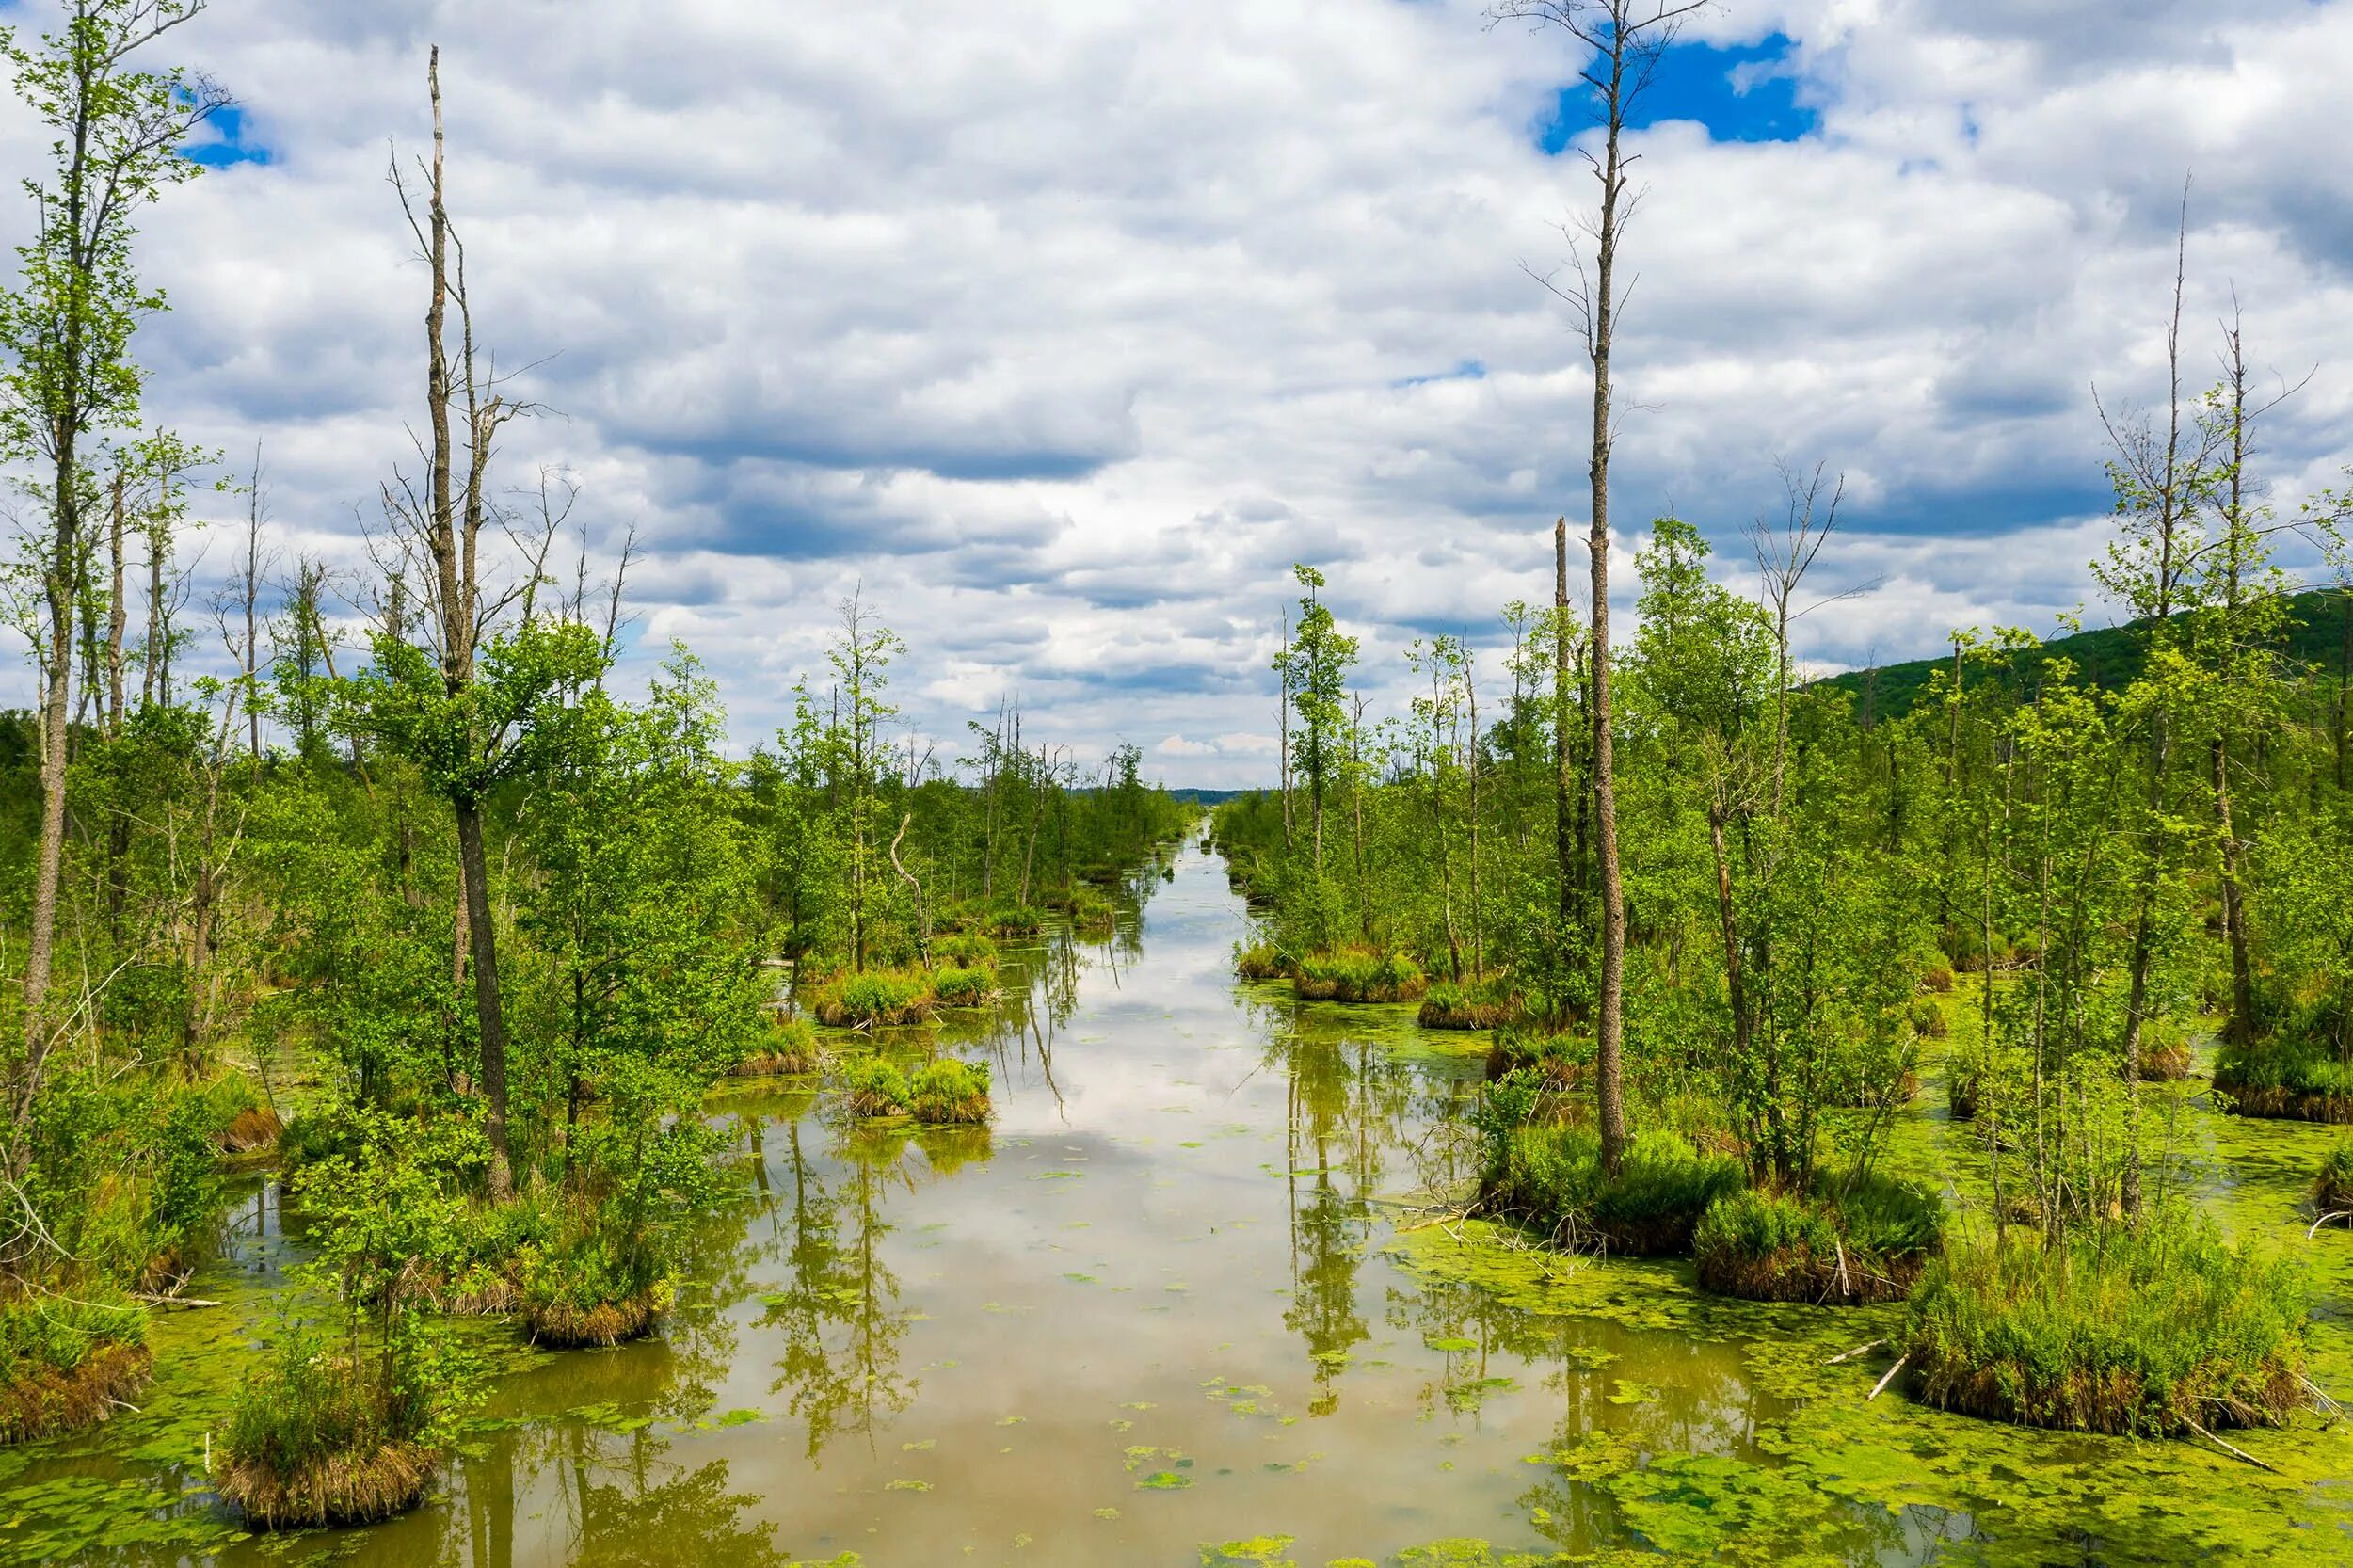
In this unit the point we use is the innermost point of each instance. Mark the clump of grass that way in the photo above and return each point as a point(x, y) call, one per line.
point(2148, 1332)
point(1938, 978)
point(788, 1045)
point(950, 1093)
point(875, 997)
point(67, 1365)
point(250, 1130)
point(2289, 1076)
point(876, 1088)
point(1558, 1060)
point(972, 949)
point(2332, 1188)
point(1355, 975)
point(1481, 1005)
point(1260, 961)
point(1011, 917)
point(964, 987)
point(307, 1447)
point(1090, 913)
point(1551, 1177)
point(2164, 1055)
point(1928, 1020)
point(1867, 1243)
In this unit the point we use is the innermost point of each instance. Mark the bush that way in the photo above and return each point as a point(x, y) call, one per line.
point(875, 997)
point(964, 987)
point(2164, 1055)
point(589, 1289)
point(2141, 1333)
point(1938, 978)
point(877, 1089)
point(1009, 918)
point(949, 1091)
point(2332, 1190)
point(1355, 975)
point(1090, 913)
point(67, 1365)
point(1928, 1021)
point(1867, 1244)
point(1551, 1176)
point(1559, 1060)
point(307, 1446)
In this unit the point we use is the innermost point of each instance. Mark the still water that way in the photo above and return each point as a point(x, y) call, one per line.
point(1180, 1304)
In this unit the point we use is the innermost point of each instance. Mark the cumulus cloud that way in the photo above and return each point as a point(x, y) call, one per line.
point(1058, 330)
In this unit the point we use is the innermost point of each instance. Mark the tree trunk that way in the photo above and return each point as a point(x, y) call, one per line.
point(1608, 1067)
point(489, 1018)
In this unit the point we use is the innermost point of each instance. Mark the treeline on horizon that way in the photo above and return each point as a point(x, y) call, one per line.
point(429, 914)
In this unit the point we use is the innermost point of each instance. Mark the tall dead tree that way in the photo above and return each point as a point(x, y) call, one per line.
point(1624, 39)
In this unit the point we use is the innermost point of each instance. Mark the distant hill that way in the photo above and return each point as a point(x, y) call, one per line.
point(1209, 798)
point(2110, 655)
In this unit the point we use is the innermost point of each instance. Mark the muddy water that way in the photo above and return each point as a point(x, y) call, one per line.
point(1175, 1306)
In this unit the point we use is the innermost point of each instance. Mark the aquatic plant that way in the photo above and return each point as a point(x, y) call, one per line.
point(950, 1092)
point(787, 1046)
point(1260, 961)
point(308, 1442)
point(2151, 1331)
point(875, 1088)
point(66, 1365)
point(875, 997)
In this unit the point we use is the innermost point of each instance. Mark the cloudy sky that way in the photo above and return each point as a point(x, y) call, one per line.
point(1064, 327)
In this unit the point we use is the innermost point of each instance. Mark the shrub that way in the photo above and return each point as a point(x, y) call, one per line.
point(1938, 978)
point(949, 1091)
point(964, 987)
point(2332, 1190)
point(1090, 913)
point(877, 1089)
point(1559, 1060)
point(1009, 918)
point(875, 997)
point(2142, 1332)
point(1928, 1021)
point(307, 1446)
point(1552, 1177)
point(66, 1365)
point(589, 1289)
point(320, 1133)
point(788, 1045)
point(2164, 1055)
point(1355, 975)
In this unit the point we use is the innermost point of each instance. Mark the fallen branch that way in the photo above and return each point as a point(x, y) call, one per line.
point(2237, 1452)
point(1859, 1350)
point(1881, 1387)
point(173, 1301)
point(2332, 1214)
point(2320, 1397)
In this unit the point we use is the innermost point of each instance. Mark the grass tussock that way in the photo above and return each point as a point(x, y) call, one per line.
point(1551, 1179)
point(2142, 1333)
point(875, 997)
point(1558, 1060)
point(565, 1324)
point(970, 949)
point(1867, 1244)
point(949, 1092)
point(964, 987)
point(252, 1131)
point(2332, 1188)
point(1260, 961)
point(67, 1366)
point(875, 1088)
point(1928, 1021)
point(788, 1046)
point(333, 1489)
point(1481, 1005)
point(1355, 975)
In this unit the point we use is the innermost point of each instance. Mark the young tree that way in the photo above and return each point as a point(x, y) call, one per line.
point(67, 330)
point(1626, 38)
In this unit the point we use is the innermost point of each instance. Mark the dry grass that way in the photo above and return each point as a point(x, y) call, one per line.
point(1799, 1273)
point(345, 1489)
point(778, 1063)
point(2278, 1102)
point(2165, 1062)
point(48, 1401)
point(254, 1129)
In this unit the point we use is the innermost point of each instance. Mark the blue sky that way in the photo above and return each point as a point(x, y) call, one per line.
point(1059, 330)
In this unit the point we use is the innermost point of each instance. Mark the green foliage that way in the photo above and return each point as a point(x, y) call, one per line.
point(964, 987)
point(875, 997)
point(2142, 1331)
point(1552, 1179)
point(2332, 1188)
point(1357, 975)
point(875, 1088)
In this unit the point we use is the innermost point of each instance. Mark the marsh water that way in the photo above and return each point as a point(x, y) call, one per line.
point(1182, 1303)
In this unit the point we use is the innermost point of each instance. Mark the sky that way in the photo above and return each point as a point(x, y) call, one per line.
point(1057, 330)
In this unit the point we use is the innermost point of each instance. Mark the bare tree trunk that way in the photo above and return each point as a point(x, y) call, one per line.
point(1567, 848)
point(1609, 1066)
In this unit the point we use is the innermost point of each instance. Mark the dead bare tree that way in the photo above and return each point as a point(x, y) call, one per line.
point(1626, 38)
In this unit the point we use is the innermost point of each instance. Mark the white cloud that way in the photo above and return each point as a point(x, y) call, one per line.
point(1062, 328)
